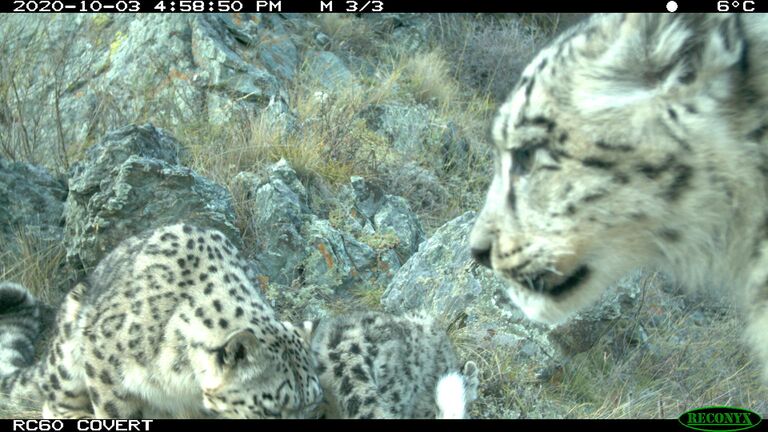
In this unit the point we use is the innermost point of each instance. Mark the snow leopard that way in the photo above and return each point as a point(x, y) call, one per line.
point(20, 326)
point(169, 324)
point(634, 140)
point(378, 365)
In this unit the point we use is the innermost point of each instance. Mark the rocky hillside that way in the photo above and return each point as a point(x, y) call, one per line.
point(346, 156)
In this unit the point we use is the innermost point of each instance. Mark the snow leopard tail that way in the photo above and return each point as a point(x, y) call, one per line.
point(20, 326)
point(455, 391)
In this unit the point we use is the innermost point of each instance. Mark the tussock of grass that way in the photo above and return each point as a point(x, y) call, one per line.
point(366, 298)
point(709, 366)
point(328, 140)
point(348, 32)
point(684, 363)
point(430, 78)
point(490, 51)
point(697, 373)
point(35, 263)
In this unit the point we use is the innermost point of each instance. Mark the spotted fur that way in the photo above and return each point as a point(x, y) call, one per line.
point(634, 140)
point(169, 324)
point(19, 328)
point(375, 365)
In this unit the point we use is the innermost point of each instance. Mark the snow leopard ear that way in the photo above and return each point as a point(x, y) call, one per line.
point(470, 370)
point(72, 302)
point(79, 290)
point(240, 347)
point(305, 331)
point(307, 328)
point(667, 51)
point(471, 373)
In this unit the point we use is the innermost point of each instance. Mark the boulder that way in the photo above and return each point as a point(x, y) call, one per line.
point(131, 181)
point(370, 235)
point(30, 199)
point(329, 71)
point(443, 280)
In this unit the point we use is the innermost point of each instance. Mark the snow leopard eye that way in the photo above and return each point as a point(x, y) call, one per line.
point(522, 160)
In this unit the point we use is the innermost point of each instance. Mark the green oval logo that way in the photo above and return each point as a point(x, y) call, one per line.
point(719, 418)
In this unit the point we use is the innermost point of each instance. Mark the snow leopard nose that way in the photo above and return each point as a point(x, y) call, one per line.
point(482, 256)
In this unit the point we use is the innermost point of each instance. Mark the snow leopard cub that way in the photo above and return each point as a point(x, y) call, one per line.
point(169, 324)
point(376, 365)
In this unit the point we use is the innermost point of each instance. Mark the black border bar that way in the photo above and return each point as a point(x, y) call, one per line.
point(374, 6)
point(343, 425)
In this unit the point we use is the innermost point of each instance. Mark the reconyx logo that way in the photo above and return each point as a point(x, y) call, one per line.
point(719, 418)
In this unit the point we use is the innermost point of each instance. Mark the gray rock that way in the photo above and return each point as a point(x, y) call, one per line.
point(423, 190)
point(439, 277)
point(137, 193)
point(299, 303)
point(395, 216)
point(104, 71)
point(236, 81)
point(329, 71)
point(415, 129)
point(282, 170)
point(147, 70)
point(455, 148)
point(237, 32)
point(322, 40)
point(294, 246)
point(366, 198)
point(378, 213)
point(30, 199)
point(277, 51)
point(406, 126)
point(336, 259)
point(116, 146)
point(442, 279)
point(145, 40)
point(276, 218)
point(278, 115)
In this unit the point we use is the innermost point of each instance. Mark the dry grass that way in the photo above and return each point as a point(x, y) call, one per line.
point(690, 358)
point(708, 366)
point(366, 298)
point(429, 78)
point(348, 32)
point(327, 139)
point(489, 52)
point(35, 263)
